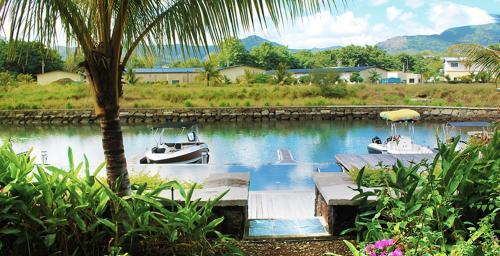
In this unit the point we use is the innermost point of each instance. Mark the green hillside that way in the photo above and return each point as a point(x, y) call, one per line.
point(481, 34)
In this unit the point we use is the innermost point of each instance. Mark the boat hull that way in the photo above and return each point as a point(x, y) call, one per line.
point(193, 155)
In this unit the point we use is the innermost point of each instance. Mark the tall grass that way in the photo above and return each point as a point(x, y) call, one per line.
point(49, 211)
point(162, 95)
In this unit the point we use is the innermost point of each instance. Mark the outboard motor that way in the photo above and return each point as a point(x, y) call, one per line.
point(376, 140)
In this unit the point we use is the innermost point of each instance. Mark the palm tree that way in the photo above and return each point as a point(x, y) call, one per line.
point(209, 73)
point(484, 58)
point(374, 76)
point(108, 32)
point(131, 77)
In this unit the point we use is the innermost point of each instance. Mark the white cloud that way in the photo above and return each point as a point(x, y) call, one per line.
point(379, 2)
point(414, 3)
point(392, 13)
point(446, 15)
point(324, 30)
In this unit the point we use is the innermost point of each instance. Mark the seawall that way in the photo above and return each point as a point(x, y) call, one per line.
point(253, 114)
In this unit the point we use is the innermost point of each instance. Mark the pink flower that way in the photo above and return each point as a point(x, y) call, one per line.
point(390, 242)
point(396, 252)
point(369, 248)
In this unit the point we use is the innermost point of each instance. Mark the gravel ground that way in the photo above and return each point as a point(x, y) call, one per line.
point(293, 248)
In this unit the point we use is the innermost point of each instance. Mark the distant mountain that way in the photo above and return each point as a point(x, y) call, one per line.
point(255, 41)
point(480, 34)
point(192, 52)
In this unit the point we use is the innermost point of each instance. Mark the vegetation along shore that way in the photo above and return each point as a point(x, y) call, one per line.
point(158, 95)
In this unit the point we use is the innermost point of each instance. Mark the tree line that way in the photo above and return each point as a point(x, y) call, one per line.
point(232, 52)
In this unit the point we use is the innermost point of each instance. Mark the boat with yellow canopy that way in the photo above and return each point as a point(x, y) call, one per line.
point(402, 115)
point(397, 144)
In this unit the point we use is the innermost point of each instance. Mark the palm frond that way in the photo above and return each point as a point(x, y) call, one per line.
point(481, 57)
point(154, 24)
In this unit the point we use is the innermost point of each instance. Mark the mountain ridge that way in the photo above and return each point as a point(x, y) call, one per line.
point(486, 34)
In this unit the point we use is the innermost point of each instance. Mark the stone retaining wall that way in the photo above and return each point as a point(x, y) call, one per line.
point(132, 116)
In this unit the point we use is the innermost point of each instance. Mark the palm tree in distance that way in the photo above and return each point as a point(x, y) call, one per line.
point(374, 76)
point(210, 73)
point(481, 57)
point(108, 32)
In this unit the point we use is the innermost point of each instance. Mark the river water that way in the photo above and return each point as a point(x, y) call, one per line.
point(234, 147)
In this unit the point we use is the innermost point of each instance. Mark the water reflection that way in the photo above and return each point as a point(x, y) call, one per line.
point(234, 147)
point(230, 143)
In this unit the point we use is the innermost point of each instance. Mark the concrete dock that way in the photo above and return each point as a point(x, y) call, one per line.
point(358, 161)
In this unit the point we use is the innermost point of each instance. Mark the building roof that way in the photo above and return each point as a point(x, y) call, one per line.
point(336, 69)
point(239, 66)
point(165, 70)
point(454, 58)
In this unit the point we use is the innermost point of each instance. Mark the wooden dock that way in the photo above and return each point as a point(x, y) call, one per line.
point(358, 161)
point(281, 204)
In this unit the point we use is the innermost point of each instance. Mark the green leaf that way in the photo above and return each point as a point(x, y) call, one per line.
point(413, 209)
point(9, 231)
point(107, 223)
point(450, 221)
point(49, 240)
point(352, 248)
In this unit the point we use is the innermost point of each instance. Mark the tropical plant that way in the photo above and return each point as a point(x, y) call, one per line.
point(483, 57)
point(434, 207)
point(356, 78)
point(374, 76)
point(24, 78)
point(482, 77)
point(324, 77)
point(281, 74)
point(108, 32)
point(49, 211)
point(210, 73)
point(131, 77)
point(7, 79)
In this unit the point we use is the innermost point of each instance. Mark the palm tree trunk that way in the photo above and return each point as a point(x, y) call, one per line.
point(114, 153)
point(105, 80)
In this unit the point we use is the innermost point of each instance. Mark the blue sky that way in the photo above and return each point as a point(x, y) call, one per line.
point(371, 21)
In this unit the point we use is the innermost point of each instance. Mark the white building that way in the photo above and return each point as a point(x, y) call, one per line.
point(404, 77)
point(455, 67)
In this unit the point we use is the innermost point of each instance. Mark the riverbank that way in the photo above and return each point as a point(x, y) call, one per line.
point(160, 95)
point(248, 114)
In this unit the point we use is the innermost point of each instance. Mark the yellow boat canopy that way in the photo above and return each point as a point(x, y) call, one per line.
point(400, 115)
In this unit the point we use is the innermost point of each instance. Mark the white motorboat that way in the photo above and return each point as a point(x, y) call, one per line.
point(397, 144)
point(471, 129)
point(191, 152)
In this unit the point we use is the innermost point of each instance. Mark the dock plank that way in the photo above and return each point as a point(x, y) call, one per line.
point(281, 204)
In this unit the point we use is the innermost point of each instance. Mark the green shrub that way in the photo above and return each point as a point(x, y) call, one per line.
point(356, 78)
point(154, 181)
point(324, 77)
point(373, 176)
point(7, 79)
point(50, 211)
point(262, 78)
point(188, 104)
point(333, 91)
point(446, 206)
point(305, 79)
point(25, 78)
point(68, 105)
